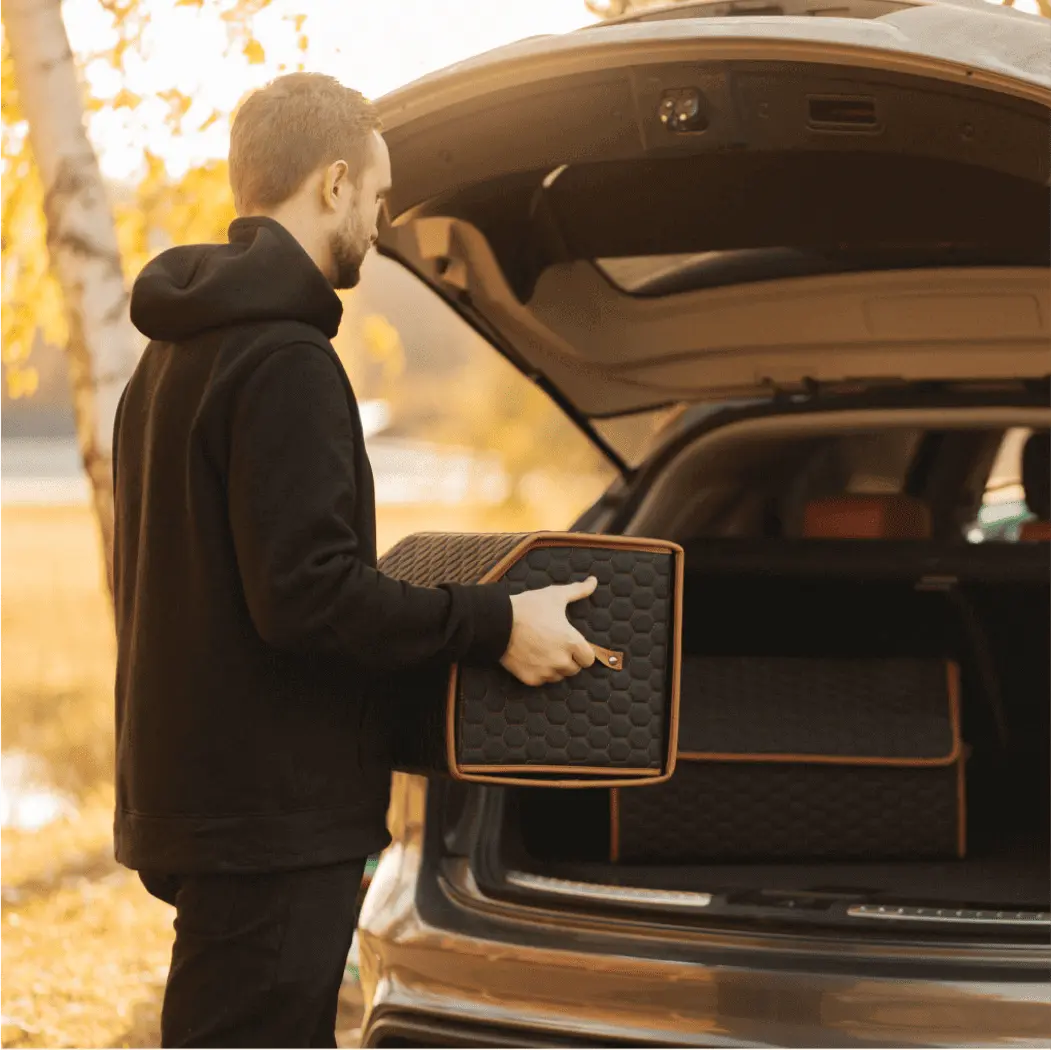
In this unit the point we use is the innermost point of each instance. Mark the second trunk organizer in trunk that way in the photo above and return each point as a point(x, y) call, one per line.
point(791, 759)
point(612, 723)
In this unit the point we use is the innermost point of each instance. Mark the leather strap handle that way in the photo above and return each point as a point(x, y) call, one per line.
point(610, 658)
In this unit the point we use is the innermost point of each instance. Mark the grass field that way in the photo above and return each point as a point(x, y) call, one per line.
point(85, 948)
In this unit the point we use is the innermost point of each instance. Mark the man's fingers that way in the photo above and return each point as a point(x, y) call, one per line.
point(573, 592)
point(582, 652)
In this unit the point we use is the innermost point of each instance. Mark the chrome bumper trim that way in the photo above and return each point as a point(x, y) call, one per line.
point(972, 916)
point(603, 893)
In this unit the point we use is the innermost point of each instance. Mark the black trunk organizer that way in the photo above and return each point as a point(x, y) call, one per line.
point(614, 723)
point(799, 759)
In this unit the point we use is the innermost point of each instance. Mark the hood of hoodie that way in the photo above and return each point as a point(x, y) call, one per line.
point(262, 274)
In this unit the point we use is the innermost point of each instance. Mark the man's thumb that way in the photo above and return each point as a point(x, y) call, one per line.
point(573, 592)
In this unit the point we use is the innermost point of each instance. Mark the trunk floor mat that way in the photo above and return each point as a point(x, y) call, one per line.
point(1020, 877)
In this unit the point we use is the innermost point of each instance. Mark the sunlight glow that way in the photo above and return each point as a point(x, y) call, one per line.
point(368, 46)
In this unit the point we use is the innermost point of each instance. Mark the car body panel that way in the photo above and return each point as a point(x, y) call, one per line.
point(433, 946)
point(549, 115)
point(480, 962)
point(969, 44)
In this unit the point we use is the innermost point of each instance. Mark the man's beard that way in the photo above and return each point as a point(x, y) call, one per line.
point(348, 249)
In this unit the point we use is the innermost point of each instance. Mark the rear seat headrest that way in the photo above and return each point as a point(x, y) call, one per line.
point(860, 517)
point(1035, 532)
point(1036, 474)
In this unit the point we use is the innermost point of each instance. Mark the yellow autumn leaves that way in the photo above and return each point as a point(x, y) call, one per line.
point(150, 214)
point(32, 305)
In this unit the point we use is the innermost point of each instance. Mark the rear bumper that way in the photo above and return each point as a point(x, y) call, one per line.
point(487, 977)
point(399, 1027)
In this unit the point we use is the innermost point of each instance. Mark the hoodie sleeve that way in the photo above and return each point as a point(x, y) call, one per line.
point(292, 493)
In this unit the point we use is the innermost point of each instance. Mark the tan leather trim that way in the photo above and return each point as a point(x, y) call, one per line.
point(450, 722)
point(954, 755)
point(614, 826)
point(675, 655)
point(611, 658)
point(598, 771)
point(817, 760)
point(569, 783)
point(580, 539)
point(576, 539)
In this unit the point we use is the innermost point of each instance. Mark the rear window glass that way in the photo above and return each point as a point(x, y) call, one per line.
point(656, 275)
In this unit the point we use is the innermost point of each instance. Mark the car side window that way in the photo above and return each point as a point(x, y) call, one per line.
point(1003, 510)
point(458, 438)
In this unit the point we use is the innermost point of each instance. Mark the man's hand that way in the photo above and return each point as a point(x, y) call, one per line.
point(545, 646)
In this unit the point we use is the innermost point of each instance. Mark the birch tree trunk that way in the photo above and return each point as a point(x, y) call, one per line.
point(81, 238)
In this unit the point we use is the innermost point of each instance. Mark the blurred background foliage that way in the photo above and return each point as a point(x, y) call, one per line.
point(439, 382)
point(85, 949)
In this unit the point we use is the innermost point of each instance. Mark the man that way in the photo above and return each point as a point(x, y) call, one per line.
point(252, 779)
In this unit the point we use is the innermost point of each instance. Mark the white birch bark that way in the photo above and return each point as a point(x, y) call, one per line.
point(81, 237)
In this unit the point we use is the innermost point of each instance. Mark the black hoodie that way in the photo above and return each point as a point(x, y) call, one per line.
point(253, 628)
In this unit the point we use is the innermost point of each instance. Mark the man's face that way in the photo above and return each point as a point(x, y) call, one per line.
point(357, 221)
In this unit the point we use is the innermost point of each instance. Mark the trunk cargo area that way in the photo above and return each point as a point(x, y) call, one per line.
point(989, 616)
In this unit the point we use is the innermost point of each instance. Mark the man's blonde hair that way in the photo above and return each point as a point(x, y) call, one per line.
point(290, 128)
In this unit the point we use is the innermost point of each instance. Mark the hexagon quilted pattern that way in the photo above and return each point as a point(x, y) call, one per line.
point(725, 810)
point(430, 558)
point(600, 717)
point(892, 708)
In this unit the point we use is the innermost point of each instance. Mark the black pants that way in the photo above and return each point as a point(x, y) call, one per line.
point(258, 959)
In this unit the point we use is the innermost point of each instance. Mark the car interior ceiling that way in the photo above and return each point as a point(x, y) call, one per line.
point(593, 182)
point(755, 202)
point(854, 547)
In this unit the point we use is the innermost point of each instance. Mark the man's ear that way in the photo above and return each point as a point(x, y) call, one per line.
point(336, 186)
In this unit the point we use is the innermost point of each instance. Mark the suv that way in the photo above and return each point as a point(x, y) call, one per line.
point(827, 240)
